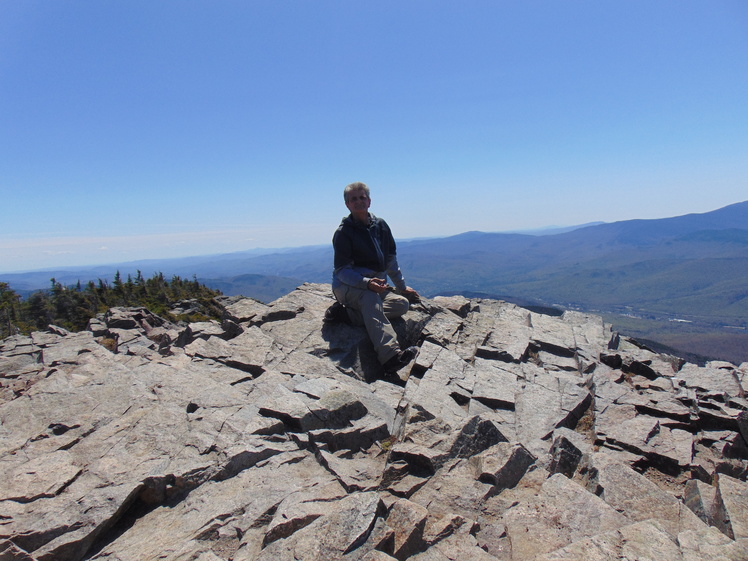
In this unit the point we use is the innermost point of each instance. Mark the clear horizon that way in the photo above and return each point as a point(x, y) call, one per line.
point(253, 249)
point(268, 250)
point(136, 130)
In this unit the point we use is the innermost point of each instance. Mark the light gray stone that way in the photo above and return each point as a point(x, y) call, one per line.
point(332, 536)
point(408, 520)
point(273, 435)
point(567, 452)
point(640, 499)
point(710, 544)
point(719, 381)
point(360, 472)
point(495, 386)
point(503, 465)
point(546, 402)
point(245, 310)
point(562, 513)
point(733, 496)
point(454, 489)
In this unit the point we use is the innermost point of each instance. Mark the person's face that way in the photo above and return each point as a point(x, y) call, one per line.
point(358, 203)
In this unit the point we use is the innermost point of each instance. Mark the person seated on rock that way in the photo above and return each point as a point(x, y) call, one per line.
point(365, 255)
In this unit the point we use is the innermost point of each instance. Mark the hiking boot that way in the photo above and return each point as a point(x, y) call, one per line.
point(336, 313)
point(400, 360)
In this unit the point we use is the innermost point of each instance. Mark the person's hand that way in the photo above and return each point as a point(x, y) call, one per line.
point(377, 285)
point(411, 295)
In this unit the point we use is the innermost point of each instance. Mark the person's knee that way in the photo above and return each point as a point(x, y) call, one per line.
point(396, 306)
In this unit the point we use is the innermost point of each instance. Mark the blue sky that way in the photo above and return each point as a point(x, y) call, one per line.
point(139, 129)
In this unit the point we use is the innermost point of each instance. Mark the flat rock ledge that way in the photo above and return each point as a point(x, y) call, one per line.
point(271, 435)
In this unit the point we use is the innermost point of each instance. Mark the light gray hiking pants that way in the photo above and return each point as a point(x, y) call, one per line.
point(374, 311)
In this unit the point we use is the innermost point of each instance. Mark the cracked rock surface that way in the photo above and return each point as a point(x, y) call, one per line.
point(271, 435)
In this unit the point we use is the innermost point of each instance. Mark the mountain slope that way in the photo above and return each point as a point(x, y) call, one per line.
point(690, 264)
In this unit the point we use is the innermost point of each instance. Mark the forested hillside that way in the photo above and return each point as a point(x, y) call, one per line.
point(72, 306)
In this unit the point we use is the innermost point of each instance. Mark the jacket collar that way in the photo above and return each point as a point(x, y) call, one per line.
point(356, 224)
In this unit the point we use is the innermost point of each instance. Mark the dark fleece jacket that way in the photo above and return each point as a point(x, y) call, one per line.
point(363, 251)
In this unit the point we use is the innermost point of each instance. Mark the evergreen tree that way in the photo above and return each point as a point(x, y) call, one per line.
point(9, 310)
point(73, 307)
point(38, 310)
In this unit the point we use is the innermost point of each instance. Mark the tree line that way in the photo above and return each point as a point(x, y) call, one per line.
point(72, 306)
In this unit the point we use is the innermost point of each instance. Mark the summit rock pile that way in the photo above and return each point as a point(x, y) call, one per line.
point(271, 435)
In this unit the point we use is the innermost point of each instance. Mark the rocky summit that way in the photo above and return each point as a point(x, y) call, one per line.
point(273, 435)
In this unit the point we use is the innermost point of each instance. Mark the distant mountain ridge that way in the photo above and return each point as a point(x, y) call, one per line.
point(691, 268)
point(690, 265)
point(721, 232)
point(471, 261)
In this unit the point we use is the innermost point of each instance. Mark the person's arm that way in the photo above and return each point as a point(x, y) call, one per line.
point(396, 274)
point(392, 268)
point(349, 275)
